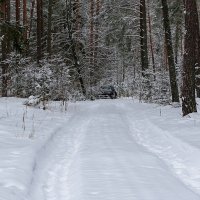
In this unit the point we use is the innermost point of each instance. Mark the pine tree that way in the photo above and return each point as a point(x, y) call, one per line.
point(189, 63)
point(49, 32)
point(143, 37)
point(170, 54)
point(5, 44)
point(39, 30)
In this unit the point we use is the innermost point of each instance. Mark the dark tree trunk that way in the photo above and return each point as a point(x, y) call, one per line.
point(198, 68)
point(17, 8)
point(73, 47)
point(5, 44)
point(170, 54)
point(143, 37)
point(39, 30)
point(49, 32)
point(188, 89)
point(25, 18)
point(197, 53)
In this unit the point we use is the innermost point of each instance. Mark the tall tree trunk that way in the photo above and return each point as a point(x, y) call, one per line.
point(91, 42)
point(39, 30)
point(170, 54)
point(31, 17)
point(49, 32)
point(98, 3)
point(188, 88)
point(151, 39)
point(178, 31)
point(73, 46)
point(17, 8)
point(25, 18)
point(143, 37)
point(5, 44)
point(197, 70)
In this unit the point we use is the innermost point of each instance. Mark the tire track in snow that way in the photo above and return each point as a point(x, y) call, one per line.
point(55, 158)
point(178, 155)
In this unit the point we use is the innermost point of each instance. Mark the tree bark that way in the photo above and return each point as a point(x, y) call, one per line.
point(39, 30)
point(49, 32)
point(73, 47)
point(151, 39)
point(5, 44)
point(197, 53)
point(188, 88)
point(25, 18)
point(17, 8)
point(143, 37)
point(170, 54)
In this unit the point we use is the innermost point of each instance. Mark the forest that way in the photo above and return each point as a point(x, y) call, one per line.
point(67, 49)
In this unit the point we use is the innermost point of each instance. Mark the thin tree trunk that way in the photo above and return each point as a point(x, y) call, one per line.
point(188, 88)
point(150, 38)
point(166, 64)
point(91, 42)
point(17, 8)
point(178, 32)
point(78, 19)
point(25, 18)
point(39, 30)
point(49, 32)
point(98, 3)
point(143, 37)
point(31, 17)
point(172, 68)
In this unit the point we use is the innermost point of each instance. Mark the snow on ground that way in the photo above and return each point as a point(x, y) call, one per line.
point(102, 150)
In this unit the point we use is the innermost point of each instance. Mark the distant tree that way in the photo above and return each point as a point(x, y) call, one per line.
point(39, 30)
point(17, 12)
point(151, 37)
point(73, 44)
point(25, 20)
point(31, 17)
point(170, 54)
point(143, 36)
point(91, 40)
point(49, 31)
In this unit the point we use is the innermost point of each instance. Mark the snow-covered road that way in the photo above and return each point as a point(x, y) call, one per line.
point(95, 155)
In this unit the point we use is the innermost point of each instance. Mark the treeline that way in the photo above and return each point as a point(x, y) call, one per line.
point(67, 49)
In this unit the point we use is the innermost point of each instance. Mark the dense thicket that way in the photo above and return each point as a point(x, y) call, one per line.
point(68, 48)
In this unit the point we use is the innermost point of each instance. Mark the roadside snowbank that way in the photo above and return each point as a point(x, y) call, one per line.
point(173, 138)
point(23, 132)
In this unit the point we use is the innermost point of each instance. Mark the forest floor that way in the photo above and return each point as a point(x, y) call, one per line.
point(100, 150)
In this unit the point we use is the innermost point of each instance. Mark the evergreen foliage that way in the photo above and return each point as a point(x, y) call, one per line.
point(68, 49)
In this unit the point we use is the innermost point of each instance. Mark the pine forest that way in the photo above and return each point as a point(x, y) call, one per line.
point(67, 49)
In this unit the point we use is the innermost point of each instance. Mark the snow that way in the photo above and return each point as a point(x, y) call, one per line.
point(102, 150)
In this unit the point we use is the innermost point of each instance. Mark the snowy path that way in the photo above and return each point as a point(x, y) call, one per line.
point(97, 158)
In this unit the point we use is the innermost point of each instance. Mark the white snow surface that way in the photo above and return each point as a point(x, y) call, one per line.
point(99, 150)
